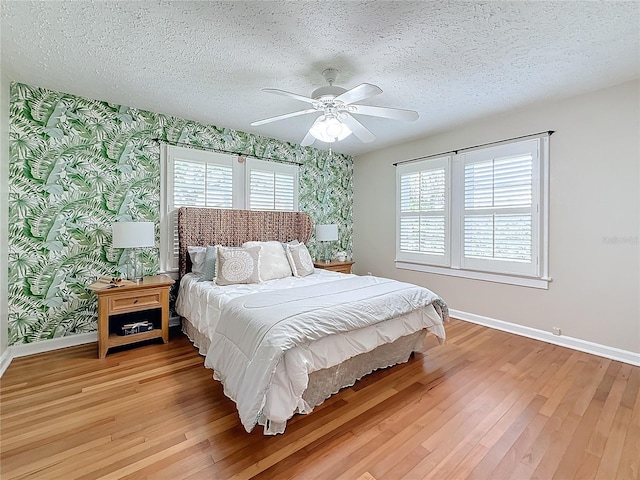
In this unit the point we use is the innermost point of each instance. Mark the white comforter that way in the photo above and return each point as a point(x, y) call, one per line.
point(202, 302)
point(256, 330)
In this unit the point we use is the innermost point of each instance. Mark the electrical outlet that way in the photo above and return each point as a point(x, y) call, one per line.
point(369, 273)
point(556, 331)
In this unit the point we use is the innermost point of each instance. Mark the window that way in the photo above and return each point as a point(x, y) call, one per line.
point(198, 178)
point(479, 214)
point(271, 186)
point(424, 226)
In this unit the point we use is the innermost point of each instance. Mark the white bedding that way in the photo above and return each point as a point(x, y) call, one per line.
point(267, 373)
point(202, 302)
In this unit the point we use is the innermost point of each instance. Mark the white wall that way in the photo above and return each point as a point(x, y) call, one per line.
point(594, 224)
point(4, 208)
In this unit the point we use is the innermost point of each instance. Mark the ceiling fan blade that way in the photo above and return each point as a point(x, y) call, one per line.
point(362, 91)
point(284, 93)
point(357, 128)
point(282, 117)
point(308, 140)
point(385, 112)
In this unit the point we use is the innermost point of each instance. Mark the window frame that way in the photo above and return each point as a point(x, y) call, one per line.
point(536, 274)
point(493, 154)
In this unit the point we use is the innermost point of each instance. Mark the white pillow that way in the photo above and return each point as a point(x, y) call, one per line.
point(273, 260)
point(237, 265)
point(197, 256)
point(300, 260)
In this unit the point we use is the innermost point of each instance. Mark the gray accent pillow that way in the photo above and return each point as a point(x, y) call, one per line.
point(300, 260)
point(209, 265)
point(237, 265)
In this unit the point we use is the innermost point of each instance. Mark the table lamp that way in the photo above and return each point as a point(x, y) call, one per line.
point(327, 233)
point(133, 236)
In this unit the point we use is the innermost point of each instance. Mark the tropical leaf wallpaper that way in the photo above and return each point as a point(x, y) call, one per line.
point(77, 165)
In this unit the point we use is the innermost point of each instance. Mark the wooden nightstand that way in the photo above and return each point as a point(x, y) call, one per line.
point(335, 266)
point(119, 305)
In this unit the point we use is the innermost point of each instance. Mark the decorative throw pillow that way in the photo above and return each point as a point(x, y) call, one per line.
point(237, 265)
point(300, 260)
point(209, 265)
point(273, 260)
point(196, 254)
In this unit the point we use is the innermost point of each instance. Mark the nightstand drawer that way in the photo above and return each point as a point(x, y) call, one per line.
point(128, 303)
point(335, 266)
point(341, 269)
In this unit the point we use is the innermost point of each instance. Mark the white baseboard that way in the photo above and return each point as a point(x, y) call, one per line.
point(5, 360)
point(625, 356)
point(24, 349)
point(564, 341)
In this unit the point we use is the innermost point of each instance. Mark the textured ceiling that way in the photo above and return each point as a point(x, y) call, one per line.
point(207, 61)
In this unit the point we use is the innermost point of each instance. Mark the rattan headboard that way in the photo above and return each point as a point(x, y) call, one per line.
point(213, 226)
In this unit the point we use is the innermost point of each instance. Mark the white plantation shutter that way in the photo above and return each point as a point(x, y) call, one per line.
point(500, 208)
point(423, 210)
point(202, 184)
point(271, 185)
point(195, 178)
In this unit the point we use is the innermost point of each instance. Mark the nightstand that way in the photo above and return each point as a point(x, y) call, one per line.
point(148, 300)
point(335, 266)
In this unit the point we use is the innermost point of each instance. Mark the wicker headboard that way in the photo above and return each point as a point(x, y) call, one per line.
point(212, 226)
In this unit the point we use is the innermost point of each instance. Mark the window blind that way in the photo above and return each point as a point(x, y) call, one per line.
point(202, 184)
point(196, 179)
point(271, 186)
point(423, 210)
point(500, 208)
point(270, 191)
point(422, 207)
point(497, 208)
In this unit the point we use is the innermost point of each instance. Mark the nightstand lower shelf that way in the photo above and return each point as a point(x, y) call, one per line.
point(118, 340)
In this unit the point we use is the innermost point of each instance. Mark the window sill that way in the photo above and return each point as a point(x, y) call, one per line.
point(173, 273)
point(522, 281)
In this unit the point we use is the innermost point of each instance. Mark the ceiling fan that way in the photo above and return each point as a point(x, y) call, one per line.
point(337, 107)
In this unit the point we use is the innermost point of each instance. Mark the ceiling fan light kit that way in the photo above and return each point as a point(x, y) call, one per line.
point(337, 107)
point(329, 129)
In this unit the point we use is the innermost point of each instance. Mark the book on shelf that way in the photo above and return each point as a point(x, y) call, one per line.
point(104, 282)
point(136, 327)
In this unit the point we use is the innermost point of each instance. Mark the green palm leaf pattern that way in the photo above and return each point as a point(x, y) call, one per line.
point(77, 165)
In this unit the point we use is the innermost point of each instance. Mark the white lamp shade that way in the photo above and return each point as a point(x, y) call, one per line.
point(327, 233)
point(133, 234)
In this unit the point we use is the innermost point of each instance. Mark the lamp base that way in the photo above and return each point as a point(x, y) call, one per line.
point(135, 269)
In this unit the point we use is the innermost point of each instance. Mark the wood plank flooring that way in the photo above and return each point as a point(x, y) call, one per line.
point(486, 405)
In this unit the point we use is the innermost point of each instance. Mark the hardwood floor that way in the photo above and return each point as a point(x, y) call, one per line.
point(487, 405)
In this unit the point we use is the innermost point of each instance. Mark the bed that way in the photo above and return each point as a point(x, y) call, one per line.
point(284, 345)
